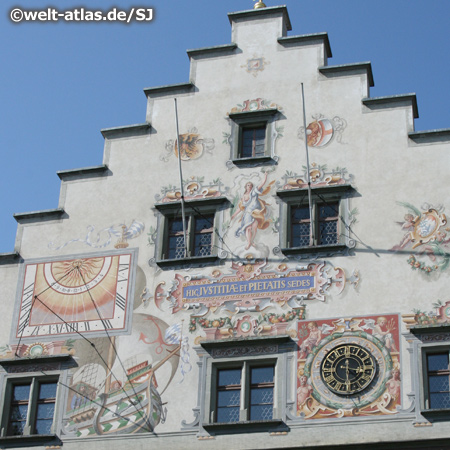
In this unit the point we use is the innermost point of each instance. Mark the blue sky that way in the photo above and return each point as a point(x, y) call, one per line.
point(63, 82)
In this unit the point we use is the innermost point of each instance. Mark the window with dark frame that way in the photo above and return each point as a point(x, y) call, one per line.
point(259, 396)
point(199, 236)
point(252, 143)
point(326, 219)
point(252, 137)
point(438, 376)
point(32, 406)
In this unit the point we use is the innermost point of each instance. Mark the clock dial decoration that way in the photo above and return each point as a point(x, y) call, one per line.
point(348, 369)
point(75, 296)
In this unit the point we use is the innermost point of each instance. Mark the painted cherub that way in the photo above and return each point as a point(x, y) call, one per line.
point(409, 223)
point(253, 211)
point(383, 331)
point(303, 391)
point(394, 384)
point(314, 337)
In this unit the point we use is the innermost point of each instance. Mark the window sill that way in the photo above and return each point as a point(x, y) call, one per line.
point(253, 161)
point(436, 413)
point(30, 440)
point(316, 249)
point(246, 426)
point(192, 260)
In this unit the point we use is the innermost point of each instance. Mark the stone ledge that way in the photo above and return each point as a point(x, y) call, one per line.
point(307, 39)
point(344, 69)
point(393, 101)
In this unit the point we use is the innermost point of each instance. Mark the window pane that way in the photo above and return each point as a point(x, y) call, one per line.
point(300, 227)
point(328, 210)
point(262, 375)
point(261, 392)
point(437, 361)
point(176, 225)
point(229, 398)
point(261, 412)
point(253, 142)
point(45, 411)
point(16, 428)
point(19, 412)
point(204, 227)
point(261, 395)
point(176, 247)
point(440, 400)
point(47, 390)
point(328, 232)
point(175, 241)
point(228, 414)
point(328, 223)
point(21, 392)
point(205, 222)
point(229, 376)
point(43, 426)
point(202, 244)
point(300, 213)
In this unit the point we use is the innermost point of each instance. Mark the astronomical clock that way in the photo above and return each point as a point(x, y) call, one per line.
point(349, 370)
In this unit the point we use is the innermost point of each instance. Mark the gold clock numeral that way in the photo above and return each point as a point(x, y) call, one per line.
point(329, 378)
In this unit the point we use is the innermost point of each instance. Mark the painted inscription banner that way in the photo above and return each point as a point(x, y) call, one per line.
point(300, 284)
point(248, 286)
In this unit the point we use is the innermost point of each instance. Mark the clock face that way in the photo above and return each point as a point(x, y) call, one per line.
point(348, 369)
point(75, 296)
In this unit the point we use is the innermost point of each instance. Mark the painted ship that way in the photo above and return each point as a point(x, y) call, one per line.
point(134, 407)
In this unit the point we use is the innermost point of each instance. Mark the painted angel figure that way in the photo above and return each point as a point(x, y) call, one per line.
point(253, 210)
point(407, 225)
point(382, 330)
point(314, 337)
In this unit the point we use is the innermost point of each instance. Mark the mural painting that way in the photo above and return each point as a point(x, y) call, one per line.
point(348, 367)
point(118, 385)
point(115, 382)
point(255, 65)
point(251, 299)
point(439, 315)
point(426, 236)
point(194, 188)
point(321, 131)
point(257, 104)
point(319, 175)
point(192, 146)
point(105, 236)
point(60, 297)
point(251, 214)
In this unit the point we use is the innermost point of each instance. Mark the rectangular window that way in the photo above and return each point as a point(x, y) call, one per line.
point(199, 236)
point(325, 224)
point(199, 242)
point(245, 393)
point(253, 142)
point(252, 137)
point(32, 407)
point(323, 230)
point(438, 375)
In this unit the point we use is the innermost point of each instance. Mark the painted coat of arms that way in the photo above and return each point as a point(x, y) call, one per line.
point(426, 236)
